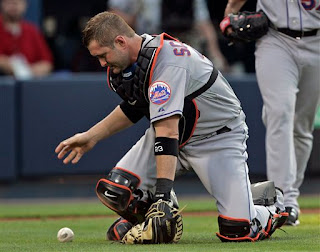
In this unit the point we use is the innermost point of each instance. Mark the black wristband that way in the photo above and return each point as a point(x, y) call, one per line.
point(163, 189)
point(166, 146)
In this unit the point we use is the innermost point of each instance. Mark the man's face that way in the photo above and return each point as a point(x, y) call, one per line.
point(13, 10)
point(116, 57)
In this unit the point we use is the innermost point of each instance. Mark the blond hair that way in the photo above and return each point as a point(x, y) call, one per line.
point(104, 28)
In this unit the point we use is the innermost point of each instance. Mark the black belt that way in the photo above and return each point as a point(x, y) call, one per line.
point(294, 33)
point(297, 34)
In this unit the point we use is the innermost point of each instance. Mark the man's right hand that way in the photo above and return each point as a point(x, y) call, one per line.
point(76, 145)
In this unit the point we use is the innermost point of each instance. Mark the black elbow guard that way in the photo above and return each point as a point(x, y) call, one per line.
point(131, 112)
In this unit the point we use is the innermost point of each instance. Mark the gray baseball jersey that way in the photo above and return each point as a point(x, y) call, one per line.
point(299, 15)
point(180, 71)
point(219, 160)
point(288, 76)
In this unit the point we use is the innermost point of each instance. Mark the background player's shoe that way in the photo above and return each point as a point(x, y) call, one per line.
point(293, 216)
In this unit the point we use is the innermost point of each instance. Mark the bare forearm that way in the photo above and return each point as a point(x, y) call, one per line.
point(5, 65)
point(113, 123)
point(233, 6)
point(166, 164)
point(211, 36)
point(41, 68)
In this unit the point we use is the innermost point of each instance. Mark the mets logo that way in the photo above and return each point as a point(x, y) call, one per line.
point(159, 92)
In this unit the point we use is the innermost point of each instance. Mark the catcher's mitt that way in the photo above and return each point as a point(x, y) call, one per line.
point(163, 224)
point(246, 26)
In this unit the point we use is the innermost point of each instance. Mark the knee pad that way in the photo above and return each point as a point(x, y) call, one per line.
point(235, 230)
point(264, 193)
point(119, 193)
point(116, 190)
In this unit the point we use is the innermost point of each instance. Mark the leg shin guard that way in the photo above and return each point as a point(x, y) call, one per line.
point(119, 192)
point(235, 230)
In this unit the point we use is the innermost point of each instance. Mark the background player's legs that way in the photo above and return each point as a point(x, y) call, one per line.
point(308, 99)
point(278, 75)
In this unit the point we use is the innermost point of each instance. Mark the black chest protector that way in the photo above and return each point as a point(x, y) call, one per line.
point(133, 83)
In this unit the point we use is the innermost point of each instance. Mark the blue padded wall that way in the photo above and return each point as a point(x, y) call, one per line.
point(52, 109)
point(55, 109)
point(8, 151)
point(247, 90)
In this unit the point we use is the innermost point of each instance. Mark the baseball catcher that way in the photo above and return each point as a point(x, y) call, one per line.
point(196, 124)
point(245, 26)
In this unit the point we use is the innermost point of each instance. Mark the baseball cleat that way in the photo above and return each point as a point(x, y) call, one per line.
point(275, 222)
point(293, 217)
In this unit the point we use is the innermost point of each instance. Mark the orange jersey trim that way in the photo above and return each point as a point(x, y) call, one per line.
point(162, 37)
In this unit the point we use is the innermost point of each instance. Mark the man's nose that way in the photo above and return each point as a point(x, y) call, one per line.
point(103, 62)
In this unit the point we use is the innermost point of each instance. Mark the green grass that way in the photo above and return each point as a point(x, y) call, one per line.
point(199, 232)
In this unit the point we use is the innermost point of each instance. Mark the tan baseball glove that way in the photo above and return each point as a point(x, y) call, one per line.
point(163, 224)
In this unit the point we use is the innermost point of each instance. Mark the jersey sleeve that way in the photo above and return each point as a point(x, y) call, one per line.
point(166, 92)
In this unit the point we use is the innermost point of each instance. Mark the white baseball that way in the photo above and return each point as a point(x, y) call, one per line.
point(65, 235)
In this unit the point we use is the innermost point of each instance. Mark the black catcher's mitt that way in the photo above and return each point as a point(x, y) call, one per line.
point(163, 224)
point(246, 26)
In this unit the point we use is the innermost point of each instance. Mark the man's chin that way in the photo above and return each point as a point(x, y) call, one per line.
point(116, 70)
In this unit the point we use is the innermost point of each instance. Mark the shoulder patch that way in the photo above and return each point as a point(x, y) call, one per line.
point(159, 92)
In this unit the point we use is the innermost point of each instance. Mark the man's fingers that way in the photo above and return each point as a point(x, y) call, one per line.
point(66, 142)
point(77, 158)
point(71, 156)
point(60, 146)
point(63, 151)
point(73, 146)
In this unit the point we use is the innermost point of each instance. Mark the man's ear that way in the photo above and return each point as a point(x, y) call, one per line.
point(120, 41)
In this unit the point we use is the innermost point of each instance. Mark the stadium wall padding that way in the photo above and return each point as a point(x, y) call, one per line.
point(8, 123)
point(37, 114)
